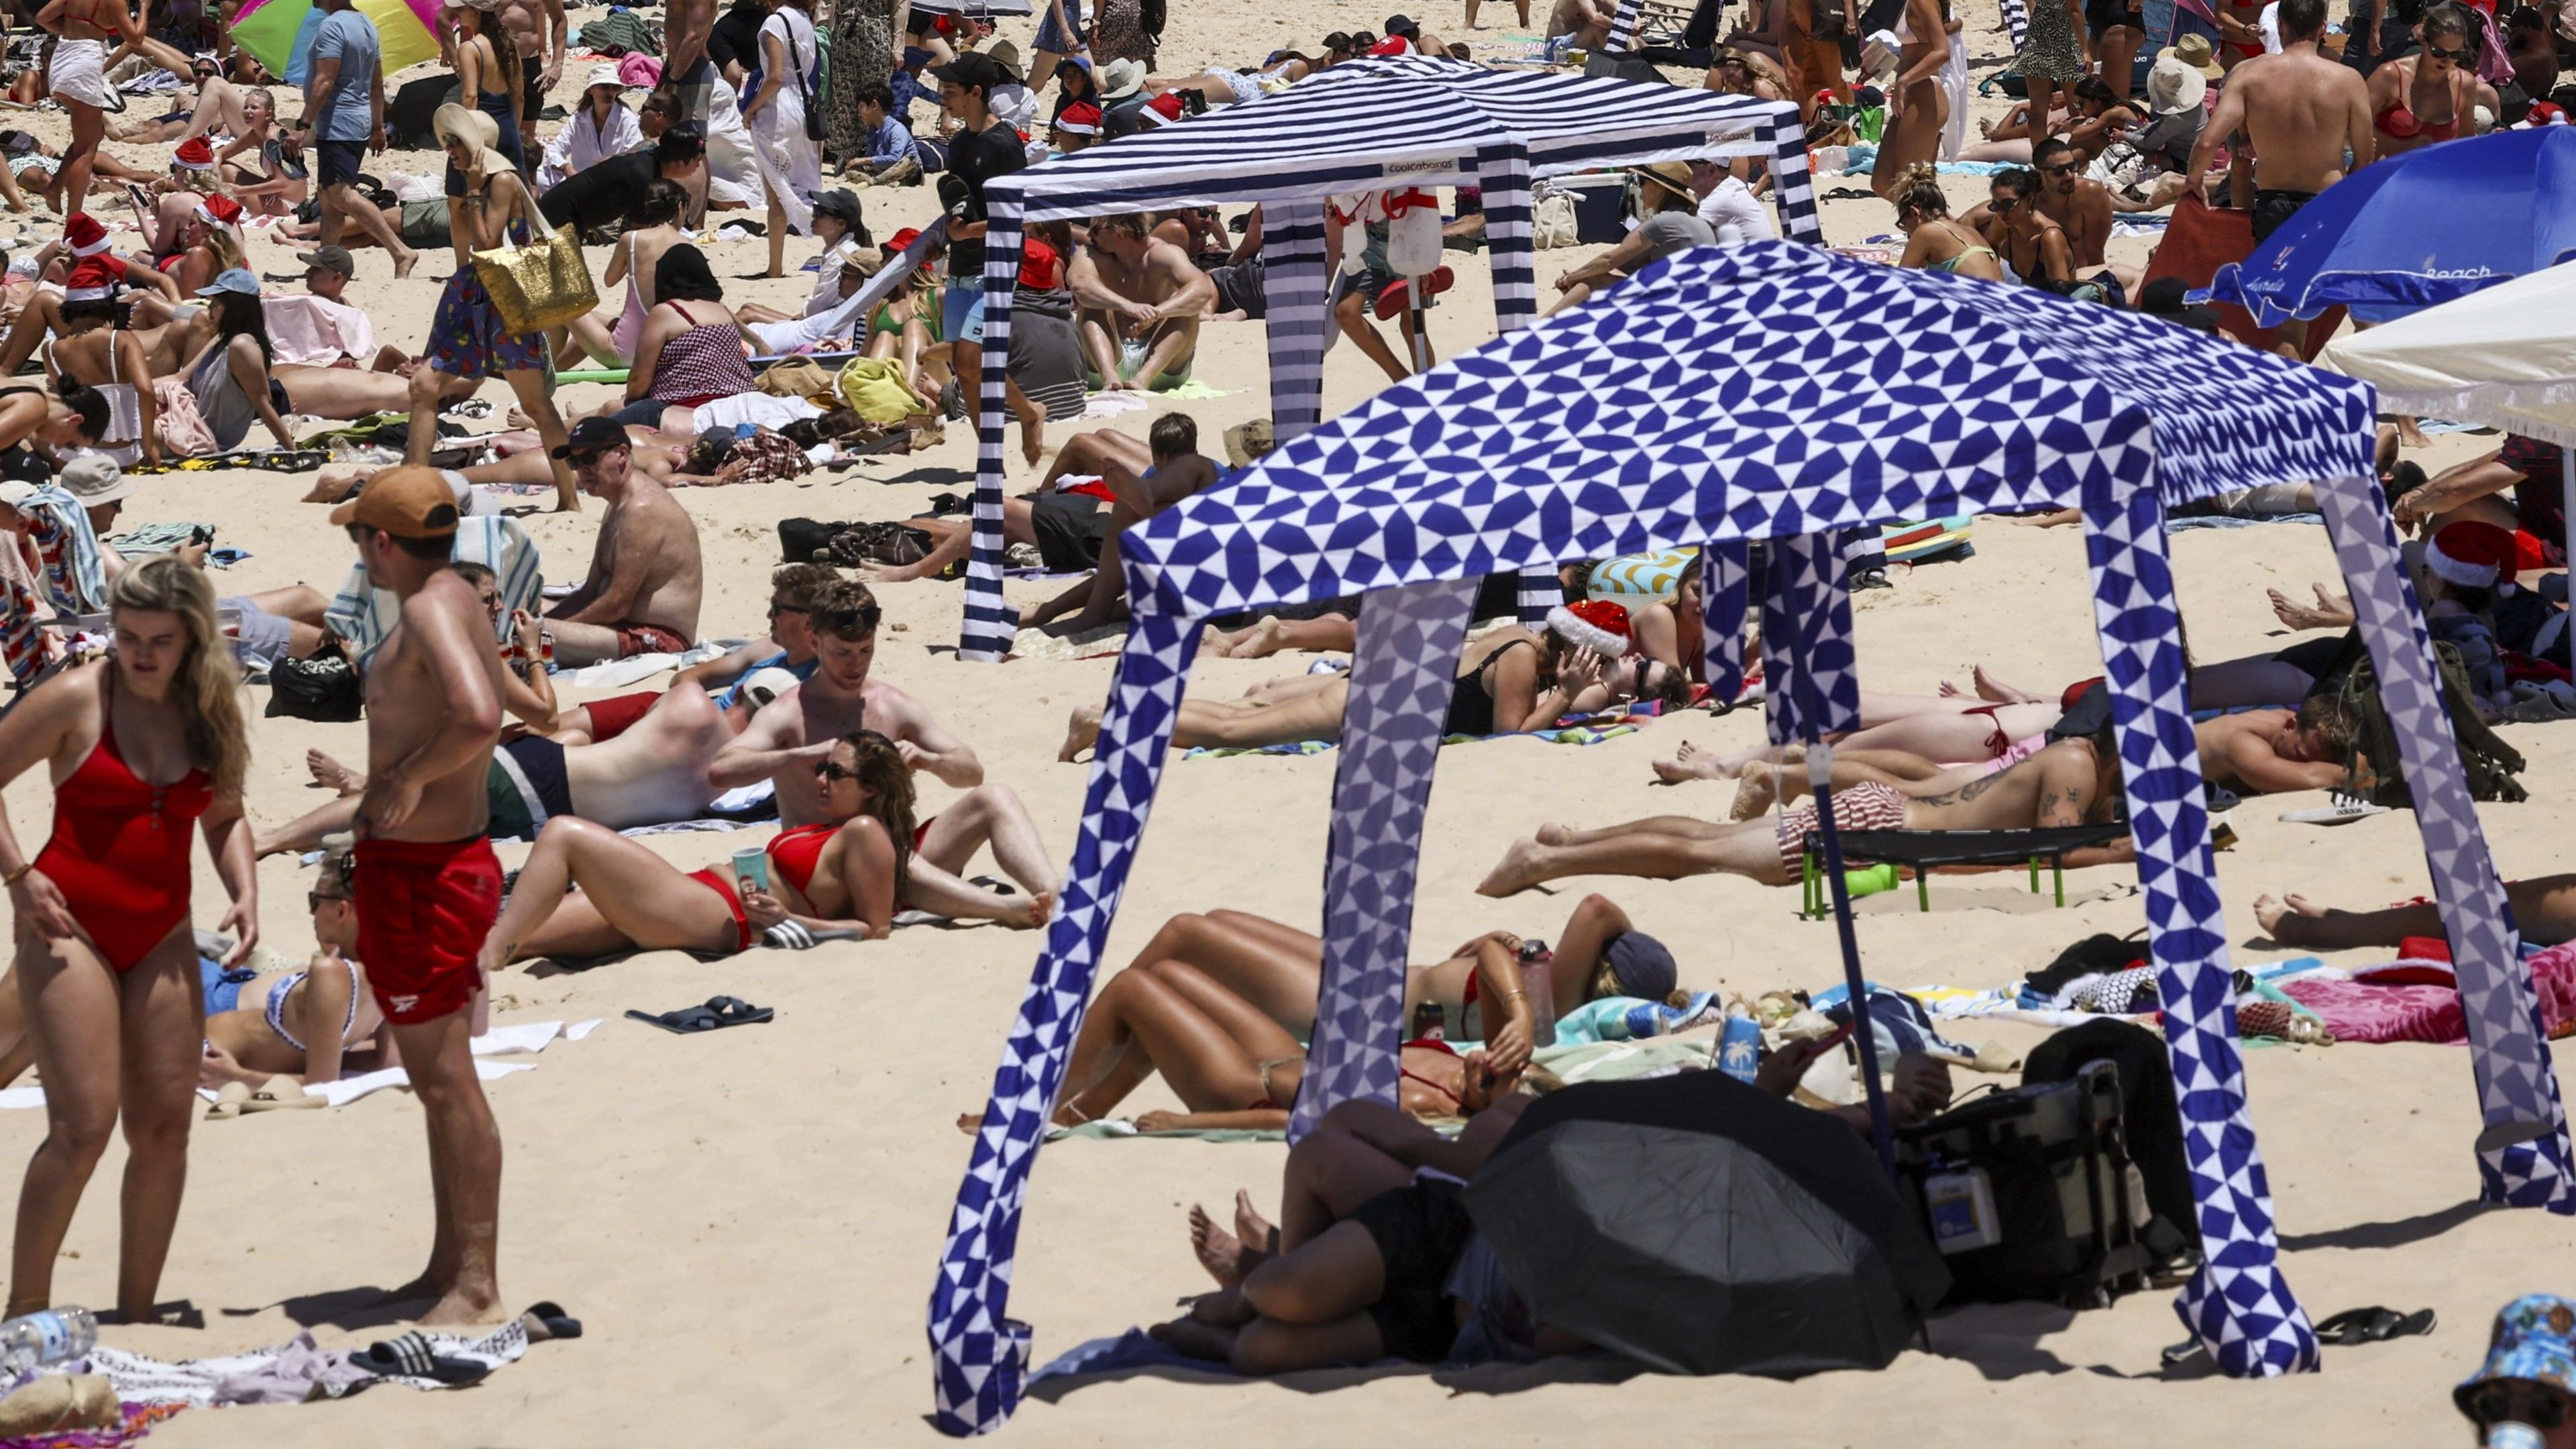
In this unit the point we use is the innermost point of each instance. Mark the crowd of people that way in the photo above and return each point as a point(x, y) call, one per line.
point(183, 350)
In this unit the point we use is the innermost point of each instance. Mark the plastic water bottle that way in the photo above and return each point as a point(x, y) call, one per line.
point(2513, 1436)
point(38, 1339)
point(1739, 1045)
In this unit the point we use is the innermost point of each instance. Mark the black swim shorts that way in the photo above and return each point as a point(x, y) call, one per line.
point(2273, 208)
point(1070, 528)
point(1420, 1230)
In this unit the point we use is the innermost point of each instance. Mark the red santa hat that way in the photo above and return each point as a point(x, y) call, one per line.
point(1082, 118)
point(194, 155)
point(219, 211)
point(1164, 109)
point(1597, 624)
point(91, 281)
point(85, 236)
point(2470, 555)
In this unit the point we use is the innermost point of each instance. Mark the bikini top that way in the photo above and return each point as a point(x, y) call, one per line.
point(2403, 123)
point(798, 853)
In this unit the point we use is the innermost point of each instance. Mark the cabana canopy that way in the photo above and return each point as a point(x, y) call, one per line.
point(1775, 392)
point(1363, 125)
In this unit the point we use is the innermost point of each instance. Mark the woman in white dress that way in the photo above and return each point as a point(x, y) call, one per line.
point(791, 162)
point(600, 128)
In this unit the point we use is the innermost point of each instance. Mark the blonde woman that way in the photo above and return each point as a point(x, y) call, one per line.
point(140, 747)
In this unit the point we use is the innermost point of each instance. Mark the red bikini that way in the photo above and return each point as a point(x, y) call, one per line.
point(119, 852)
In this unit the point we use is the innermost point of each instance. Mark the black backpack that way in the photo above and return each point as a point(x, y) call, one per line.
point(324, 687)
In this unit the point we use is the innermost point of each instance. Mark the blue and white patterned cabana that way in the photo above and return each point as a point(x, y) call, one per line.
point(1363, 125)
point(1783, 393)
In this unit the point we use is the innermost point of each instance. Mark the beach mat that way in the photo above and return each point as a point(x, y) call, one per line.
point(2198, 241)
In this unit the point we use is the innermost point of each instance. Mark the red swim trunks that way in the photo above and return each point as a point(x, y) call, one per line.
point(424, 908)
point(634, 639)
point(618, 713)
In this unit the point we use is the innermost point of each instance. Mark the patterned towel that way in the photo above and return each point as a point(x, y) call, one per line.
point(364, 614)
point(75, 575)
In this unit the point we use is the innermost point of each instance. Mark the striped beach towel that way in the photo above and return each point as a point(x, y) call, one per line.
point(75, 576)
point(363, 614)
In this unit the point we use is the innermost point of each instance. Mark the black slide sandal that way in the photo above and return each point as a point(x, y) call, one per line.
point(547, 1321)
point(717, 1013)
point(2374, 1325)
point(408, 1357)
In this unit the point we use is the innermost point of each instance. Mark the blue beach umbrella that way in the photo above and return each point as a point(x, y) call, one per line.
point(2417, 230)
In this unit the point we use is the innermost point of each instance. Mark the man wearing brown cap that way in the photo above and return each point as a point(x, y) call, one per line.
point(427, 886)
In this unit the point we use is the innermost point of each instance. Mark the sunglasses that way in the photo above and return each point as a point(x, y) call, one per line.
point(2451, 53)
point(2003, 203)
point(776, 608)
point(831, 772)
point(2060, 169)
point(313, 900)
point(2494, 1402)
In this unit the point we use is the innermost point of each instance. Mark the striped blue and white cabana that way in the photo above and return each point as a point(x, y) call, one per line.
point(1364, 125)
point(1779, 393)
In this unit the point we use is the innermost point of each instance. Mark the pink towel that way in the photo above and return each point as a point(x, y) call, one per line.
point(308, 329)
point(2361, 1011)
point(639, 69)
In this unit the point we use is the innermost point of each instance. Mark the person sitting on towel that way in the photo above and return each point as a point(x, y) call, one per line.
point(1140, 300)
point(645, 574)
point(2070, 782)
point(1672, 224)
point(729, 680)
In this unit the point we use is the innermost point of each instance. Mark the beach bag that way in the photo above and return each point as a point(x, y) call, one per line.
point(2031, 1193)
point(801, 378)
point(2490, 764)
point(1828, 19)
point(1412, 232)
point(541, 285)
point(324, 687)
point(874, 387)
point(2120, 166)
point(1551, 220)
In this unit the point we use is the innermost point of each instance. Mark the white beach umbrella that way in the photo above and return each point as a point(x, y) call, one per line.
point(2504, 357)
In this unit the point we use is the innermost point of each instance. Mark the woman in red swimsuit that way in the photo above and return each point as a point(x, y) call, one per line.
point(141, 746)
point(835, 881)
point(2430, 96)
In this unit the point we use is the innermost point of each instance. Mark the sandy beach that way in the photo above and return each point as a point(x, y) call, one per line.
point(748, 1222)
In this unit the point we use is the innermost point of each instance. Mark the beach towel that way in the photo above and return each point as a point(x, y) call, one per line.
point(1567, 735)
point(75, 571)
point(308, 329)
point(363, 614)
point(2198, 241)
point(148, 538)
point(24, 644)
point(183, 429)
point(199, 1382)
point(2360, 1009)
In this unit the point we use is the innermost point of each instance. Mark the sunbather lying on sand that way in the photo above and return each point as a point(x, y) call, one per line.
point(2544, 908)
point(2070, 782)
point(1279, 969)
point(652, 774)
point(1367, 1254)
point(1233, 1067)
point(1508, 681)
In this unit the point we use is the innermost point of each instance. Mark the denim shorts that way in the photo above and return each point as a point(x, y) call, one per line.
point(961, 311)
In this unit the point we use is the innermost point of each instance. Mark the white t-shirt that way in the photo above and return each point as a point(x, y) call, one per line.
point(2271, 24)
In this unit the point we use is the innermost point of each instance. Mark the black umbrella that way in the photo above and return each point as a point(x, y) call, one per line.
point(1699, 1225)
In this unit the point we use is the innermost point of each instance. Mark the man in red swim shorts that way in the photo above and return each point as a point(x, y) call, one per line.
point(426, 883)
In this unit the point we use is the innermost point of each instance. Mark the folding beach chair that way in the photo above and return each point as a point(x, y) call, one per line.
point(1924, 850)
point(363, 615)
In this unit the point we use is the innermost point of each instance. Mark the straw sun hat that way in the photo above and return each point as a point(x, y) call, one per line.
point(475, 130)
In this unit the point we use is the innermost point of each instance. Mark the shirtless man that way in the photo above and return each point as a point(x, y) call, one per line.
point(1129, 287)
point(654, 773)
point(537, 30)
point(1174, 470)
point(839, 698)
point(2302, 110)
point(2071, 782)
point(1585, 22)
point(645, 576)
point(427, 886)
point(2081, 207)
point(686, 72)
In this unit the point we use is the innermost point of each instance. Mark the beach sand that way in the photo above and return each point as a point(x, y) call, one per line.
point(749, 1223)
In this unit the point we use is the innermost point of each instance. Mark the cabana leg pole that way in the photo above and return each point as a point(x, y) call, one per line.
point(2238, 1304)
point(978, 1354)
point(1503, 184)
point(1292, 255)
point(1402, 674)
point(990, 623)
point(2523, 1155)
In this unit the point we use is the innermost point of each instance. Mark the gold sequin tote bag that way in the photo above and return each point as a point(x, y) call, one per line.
point(541, 285)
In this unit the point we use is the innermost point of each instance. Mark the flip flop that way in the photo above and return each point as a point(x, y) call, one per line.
point(547, 1321)
point(1399, 294)
point(282, 1094)
point(718, 1012)
point(409, 1357)
point(2374, 1325)
point(2342, 809)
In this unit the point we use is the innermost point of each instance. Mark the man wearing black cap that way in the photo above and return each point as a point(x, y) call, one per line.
point(645, 574)
point(327, 271)
point(427, 887)
point(984, 149)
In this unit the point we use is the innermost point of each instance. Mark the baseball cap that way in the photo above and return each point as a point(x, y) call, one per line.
point(763, 685)
point(974, 70)
point(235, 279)
point(1642, 966)
point(1402, 25)
point(335, 259)
point(840, 201)
point(593, 435)
point(405, 502)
